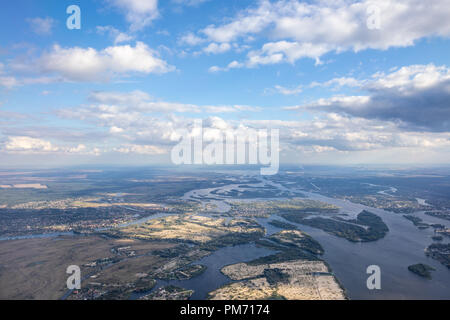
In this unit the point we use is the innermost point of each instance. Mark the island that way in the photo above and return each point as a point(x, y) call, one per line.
point(422, 270)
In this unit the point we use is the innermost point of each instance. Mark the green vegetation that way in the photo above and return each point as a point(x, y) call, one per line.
point(416, 221)
point(367, 227)
point(282, 225)
point(184, 273)
point(275, 276)
point(303, 207)
point(284, 256)
point(297, 239)
point(439, 252)
point(291, 245)
point(439, 214)
point(422, 270)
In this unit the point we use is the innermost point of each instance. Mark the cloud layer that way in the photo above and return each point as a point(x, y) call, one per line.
point(417, 97)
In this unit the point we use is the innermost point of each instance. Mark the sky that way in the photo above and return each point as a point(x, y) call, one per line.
point(344, 82)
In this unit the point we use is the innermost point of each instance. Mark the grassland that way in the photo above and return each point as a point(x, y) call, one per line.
point(36, 268)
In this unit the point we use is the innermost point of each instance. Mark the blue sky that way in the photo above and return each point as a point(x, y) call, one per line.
point(344, 81)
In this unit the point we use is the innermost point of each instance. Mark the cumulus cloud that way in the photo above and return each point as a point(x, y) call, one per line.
point(119, 37)
point(139, 13)
point(299, 29)
point(216, 48)
point(332, 132)
point(191, 39)
point(416, 97)
point(135, 120)
point(250, 21)
point(89, 64)
point(28, 145)
point(41, 26)
point(137, 115)
point(232, 65)
point(137, 133)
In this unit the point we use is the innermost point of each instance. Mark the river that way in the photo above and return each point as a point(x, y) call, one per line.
point(403, 245)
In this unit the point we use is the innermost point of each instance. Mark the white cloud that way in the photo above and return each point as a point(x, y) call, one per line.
point(191, 39)
point(338, 82)
point(250, 21)
point(41, 26)
point(139, 13)
point(214, 69)
point(231, 65)
point(289, 91)
point(80, 64)
point(139, 101)
point(330, 134)
point(136, 101)
point(132, 98)
point(27, 145)
point(78, 149)
point(115, 130)
point(299, 29)
point(216, 48)
point(8, 82)
point(334, 132)
point(141, 149)
point(230, 109)
point(119, 37)
point(276, 52)
point(135, 120)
